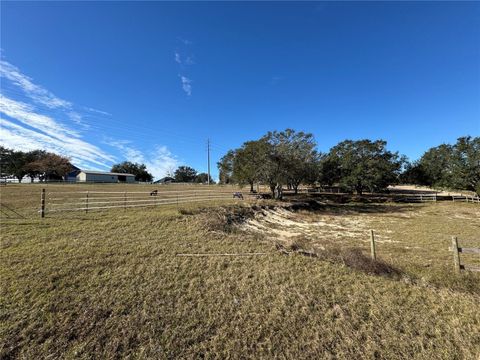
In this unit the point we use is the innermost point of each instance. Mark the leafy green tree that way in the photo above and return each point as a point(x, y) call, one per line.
point(301, 158)
point(202, 178)
point(247, 161)
point(225, 167)
point(139, 170)
point(452, 166)
point(436, 165)
point(13, 163)
point(5, 158)
point(414, 173)
point(185, 174)
point(465, 168)
point(329, 171)
point(291, 159)
point(365, 165)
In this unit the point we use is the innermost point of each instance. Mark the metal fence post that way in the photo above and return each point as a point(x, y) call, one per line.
point(42, 204)
point(372, 245)
point(86, 202)
point(125, 200)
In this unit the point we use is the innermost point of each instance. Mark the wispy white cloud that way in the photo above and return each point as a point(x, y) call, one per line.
point(186, 85)
point(177, 57)
point(159, 162)
point(97, 111)
point(184, 59)
point(31, 126)
point(26, 114)
point(77, 119)
point(35, 92)
point(81, 153)
point(40, 124)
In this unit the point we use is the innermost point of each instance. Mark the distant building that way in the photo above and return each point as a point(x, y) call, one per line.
point(104, 177)
point(72, 175)
point(165, 180)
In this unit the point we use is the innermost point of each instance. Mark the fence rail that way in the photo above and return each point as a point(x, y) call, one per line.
point(456, 256)
point(66, 201)
point(436, 197)
point(421, 197)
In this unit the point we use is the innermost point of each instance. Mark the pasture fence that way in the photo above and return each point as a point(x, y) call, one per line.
point(456, 256)
point(466, 198)
point(86, 201)
point(435, 197)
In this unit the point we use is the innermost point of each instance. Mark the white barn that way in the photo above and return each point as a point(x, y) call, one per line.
point(104, 177)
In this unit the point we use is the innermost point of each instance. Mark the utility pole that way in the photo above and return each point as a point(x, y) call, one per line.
point(208, 156)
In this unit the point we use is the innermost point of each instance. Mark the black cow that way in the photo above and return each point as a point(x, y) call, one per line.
point(154, 193)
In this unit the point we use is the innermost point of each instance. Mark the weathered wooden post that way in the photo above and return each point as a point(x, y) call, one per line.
point(125, 200)
point(86, 202)
point(372, 245)
point(456, 256)
point(42, 203)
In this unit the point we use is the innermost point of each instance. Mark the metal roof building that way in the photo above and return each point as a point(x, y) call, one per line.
point(104, 177)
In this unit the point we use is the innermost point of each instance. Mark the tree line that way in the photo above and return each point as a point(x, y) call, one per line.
point(187, 174)
point(36, 164)
point(288, 158)
point(48, 166)
point(454, 166)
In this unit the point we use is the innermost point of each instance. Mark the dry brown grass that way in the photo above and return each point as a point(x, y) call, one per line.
point(108, 285)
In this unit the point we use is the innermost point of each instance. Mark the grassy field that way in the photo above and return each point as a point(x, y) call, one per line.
point(110, 284)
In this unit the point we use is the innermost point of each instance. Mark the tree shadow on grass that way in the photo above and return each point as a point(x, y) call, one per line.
point(333, 208)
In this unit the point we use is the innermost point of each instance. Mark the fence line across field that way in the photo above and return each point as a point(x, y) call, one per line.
point(133, 198)
point(155, 200)
point(140, 192)
point(136, 195)
point(54, 202)
point(180, 201)
point(435, 197)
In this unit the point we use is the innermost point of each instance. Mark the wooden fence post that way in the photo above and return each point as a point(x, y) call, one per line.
point(86, 202)
point(456, 256)
point(125, 200)
point(372, 245)
point(42, 204)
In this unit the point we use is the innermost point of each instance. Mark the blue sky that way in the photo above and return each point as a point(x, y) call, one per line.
point(150, 81)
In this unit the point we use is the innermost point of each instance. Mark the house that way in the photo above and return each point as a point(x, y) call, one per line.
point(104, 177)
